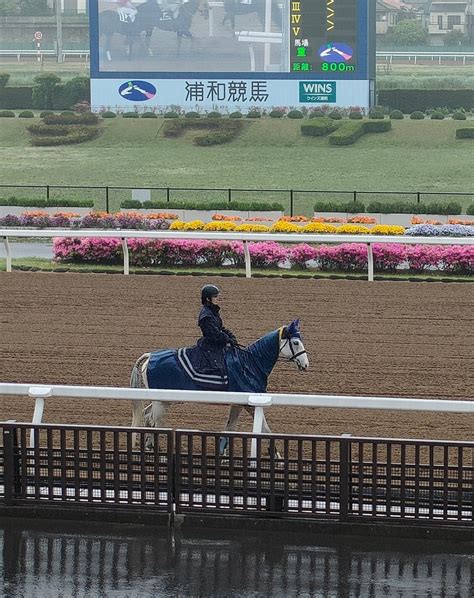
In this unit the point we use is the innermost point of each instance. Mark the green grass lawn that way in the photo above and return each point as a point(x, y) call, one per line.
point(270, 154)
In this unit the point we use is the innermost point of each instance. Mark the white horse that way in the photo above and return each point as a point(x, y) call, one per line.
point(248, 371)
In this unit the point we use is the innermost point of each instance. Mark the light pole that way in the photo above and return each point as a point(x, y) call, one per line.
point(59, 31)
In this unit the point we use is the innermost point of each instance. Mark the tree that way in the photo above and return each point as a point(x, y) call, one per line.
point(8, 8)
point(409, 32)
point(34, 8)
point(44, 90)
point(455, 38)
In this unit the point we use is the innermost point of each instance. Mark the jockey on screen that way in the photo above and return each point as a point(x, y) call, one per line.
point(214, 336)
point(126, 11)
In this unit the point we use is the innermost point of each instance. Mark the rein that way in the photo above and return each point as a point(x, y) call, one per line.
point(294, 355)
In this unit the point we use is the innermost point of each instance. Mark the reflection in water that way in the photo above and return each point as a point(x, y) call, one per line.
point(39, 560)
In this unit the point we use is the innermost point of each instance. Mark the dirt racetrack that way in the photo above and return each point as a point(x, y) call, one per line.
point(386, 339)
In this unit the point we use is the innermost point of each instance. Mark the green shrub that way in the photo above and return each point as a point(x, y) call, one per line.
point(356, 115)
point(417, 115)
point(88, 119)
point(459, 115)
point(220, 130)
point(443, 207)
point(335, 115)
point(253, 114)
point(276, 114)
point(319, 127)
point(192, 115)
point(77, 134)
point(351, 207)
point(67, 112)
point(295, 114)
point(395, 207)
point(470, 210)
point(465, 133)
point(16, 98)
point(376, 115)
point(396, 115)
point(236, 115)
point(4, 78)
point(47, 203)
point(171, 114)
point(131, 115)
point(44, 90)
point(149, 115)
point(377, 126)
point(437, 116)
point(46, 113)
point(409, 100)
point(7, 114)
point(243, 206)
point(347, 134)
point(50, 130)
point(214, 114)
point(108, 114)
point(317, 114)
point(26, 114)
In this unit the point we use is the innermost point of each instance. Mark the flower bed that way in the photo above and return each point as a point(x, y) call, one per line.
point(345, 257)
point(100, 220)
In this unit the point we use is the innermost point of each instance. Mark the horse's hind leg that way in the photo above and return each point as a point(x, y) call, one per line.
point(230, 426)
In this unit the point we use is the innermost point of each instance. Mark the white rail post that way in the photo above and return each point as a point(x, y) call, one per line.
point(6, 242)
point(39, 393)
point(248, 263)
point(126, 258)
point(370, 262)
point(258, 402)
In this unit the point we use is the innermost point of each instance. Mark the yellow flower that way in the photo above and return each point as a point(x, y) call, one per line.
point(220, 226)
point(319, 227)
point(387, 229)
point(177, 225)
point(194, 225)
point(286, 227)
point(352, 229)
point(252, 228)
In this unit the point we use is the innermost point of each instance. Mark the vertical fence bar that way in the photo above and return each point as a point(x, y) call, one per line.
point(418, 197)
point(344, 479)
point(107, 200)
point(291, 203)
point(126, 257)
point(9, 459)
point(370, 263)
point(248, 262)
point(354, 196)
point(47, 192)
point(167, 194)
point(8, 253)
point(229, 195)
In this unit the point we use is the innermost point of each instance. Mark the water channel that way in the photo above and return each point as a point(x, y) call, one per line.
point(64, 559)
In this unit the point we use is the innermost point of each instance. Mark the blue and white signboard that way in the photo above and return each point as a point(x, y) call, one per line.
point(231, 54)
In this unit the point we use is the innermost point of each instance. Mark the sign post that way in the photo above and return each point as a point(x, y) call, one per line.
point(38, 38)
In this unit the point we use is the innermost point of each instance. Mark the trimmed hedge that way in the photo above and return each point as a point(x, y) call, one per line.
point(7, 114)
point(46, 113)
point(16, 98)
point(47, 203)
point(408, 100)
point(109, 114)
point(355, 115)
point(236, 115)
point(437, 115)
point(390, 207)
point(417, 115)
point(130, 115)
point(243, 206)
point(371, 126)
point(317, 114)
point(319, 127)
point(50, 130)
point(88, 119)
point(149, 115)
point(77, 134)
point(254, 114)
point(26, 114)
point(276, 114)
point(221, 130)
point(465, 133)
point(295, 114)
point(459, 115)
point(192, 115)
point(396, 115)
point(347, 134)
point(335, 115)
point(214, 114)
point(170, 115)
point(470, 210)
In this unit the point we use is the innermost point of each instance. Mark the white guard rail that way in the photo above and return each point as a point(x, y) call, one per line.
point(246, 238)
point(259, 401)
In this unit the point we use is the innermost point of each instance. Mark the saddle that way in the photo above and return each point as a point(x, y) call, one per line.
point(207, 369)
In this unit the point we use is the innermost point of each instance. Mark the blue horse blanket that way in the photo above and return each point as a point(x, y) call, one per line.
point(247, 370)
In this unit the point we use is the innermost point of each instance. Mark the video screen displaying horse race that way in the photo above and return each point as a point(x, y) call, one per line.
point(226, 36)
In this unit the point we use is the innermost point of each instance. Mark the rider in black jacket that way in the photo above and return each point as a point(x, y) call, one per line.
point(214, 335)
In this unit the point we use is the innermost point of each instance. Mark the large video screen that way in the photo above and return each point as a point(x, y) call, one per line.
point(302, 38)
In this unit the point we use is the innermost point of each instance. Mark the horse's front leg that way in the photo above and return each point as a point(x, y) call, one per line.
point(108, 44)
point(265, 427)
point(147, 42)
point(230, 426)
point(153, 416)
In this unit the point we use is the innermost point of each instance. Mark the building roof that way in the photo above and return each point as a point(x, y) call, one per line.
point(448, 6)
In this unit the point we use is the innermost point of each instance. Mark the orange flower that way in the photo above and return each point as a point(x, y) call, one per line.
point(457, 221)
point(162, 216)
point(224, 218)
point(294, 219)
point(36, 214)
point(362, 220)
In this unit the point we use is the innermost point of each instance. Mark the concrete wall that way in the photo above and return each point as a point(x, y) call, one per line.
point(21, 30)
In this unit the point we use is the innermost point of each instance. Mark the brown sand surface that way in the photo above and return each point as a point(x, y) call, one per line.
point(376, 339)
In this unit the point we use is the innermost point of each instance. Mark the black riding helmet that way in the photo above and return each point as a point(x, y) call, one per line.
point(208, 291)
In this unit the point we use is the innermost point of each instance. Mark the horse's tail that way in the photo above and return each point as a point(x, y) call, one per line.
point(137, 381)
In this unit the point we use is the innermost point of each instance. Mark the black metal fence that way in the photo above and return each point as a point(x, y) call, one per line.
point(110, 197)
point(340, 478)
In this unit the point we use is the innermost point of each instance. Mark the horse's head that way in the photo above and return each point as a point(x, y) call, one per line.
point(291, 345)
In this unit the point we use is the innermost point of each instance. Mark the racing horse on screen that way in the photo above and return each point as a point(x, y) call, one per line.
point(247, 370)
point(150, 15)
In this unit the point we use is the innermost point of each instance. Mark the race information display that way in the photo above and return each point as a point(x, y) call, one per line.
point(323, 36)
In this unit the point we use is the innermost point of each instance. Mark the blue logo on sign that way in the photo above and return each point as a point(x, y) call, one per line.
point(137, 91)
point(335, 52)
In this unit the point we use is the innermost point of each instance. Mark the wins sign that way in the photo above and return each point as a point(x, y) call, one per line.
point(318, 91)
